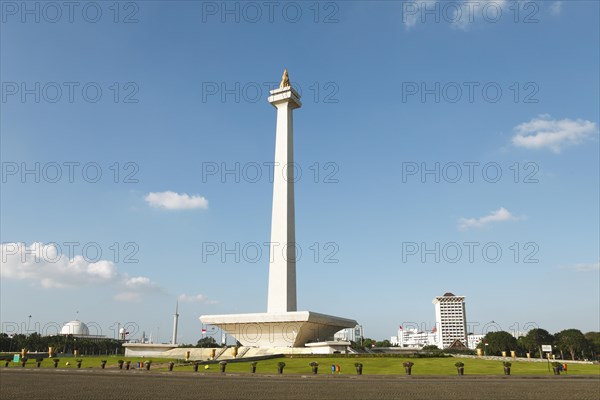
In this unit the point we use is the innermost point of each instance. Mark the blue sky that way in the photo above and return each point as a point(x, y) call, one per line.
point(167, 98)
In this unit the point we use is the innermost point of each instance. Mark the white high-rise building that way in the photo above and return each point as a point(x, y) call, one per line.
point(451, 319)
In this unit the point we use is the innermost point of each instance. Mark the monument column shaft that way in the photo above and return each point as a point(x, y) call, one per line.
point(282, 261)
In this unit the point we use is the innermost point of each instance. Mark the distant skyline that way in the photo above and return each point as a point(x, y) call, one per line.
point(440, 148)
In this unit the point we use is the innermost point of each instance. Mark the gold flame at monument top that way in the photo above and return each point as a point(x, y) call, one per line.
point(285, 80)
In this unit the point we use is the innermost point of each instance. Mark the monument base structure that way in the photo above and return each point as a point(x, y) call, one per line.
point(286, 329)
point(146, 349)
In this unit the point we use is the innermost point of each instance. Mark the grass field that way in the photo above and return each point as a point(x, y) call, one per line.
point(371, 366)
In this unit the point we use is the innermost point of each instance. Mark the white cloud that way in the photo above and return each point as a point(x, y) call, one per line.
point(103, 269)
point(544, 132)
point(175, 201)
point(199, 298)
point(41, 263)
point(584, 267)
point(128, 297)
point(411, 11)
point(500, 215)
point(139, 282)
point(44, 265)
point(556, 7)
point(132, 289)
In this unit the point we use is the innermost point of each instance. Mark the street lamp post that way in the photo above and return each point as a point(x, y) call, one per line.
point(28, 324)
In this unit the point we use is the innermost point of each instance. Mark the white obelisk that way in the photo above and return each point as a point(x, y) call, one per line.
point(282, 261)
point(175, 323)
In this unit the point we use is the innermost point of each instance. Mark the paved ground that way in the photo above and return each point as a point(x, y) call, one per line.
point(71, 384)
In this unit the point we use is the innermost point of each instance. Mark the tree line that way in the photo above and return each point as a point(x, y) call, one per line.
point(569, 342)
point(60, 344)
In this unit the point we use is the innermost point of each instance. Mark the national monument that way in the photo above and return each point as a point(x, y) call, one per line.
point(282, 325)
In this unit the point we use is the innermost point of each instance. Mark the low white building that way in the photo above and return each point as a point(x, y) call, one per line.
point(414, 338)
point(474, 340)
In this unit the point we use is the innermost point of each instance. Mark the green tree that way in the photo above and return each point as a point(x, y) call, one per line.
point(368, 343)
point(35, 342)
point(431, 347)
point(525, 345)
point(356, 345)
point(534, 340)
point(593, 339)
point(498, 342)
point(5, 342)
point(383, 343)
point(571, 340)
point(207, 341)
point(19, 341)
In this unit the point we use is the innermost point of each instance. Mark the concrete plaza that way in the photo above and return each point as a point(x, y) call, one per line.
point(70, 384)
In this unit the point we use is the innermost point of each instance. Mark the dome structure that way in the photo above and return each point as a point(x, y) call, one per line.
point(76, 328)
